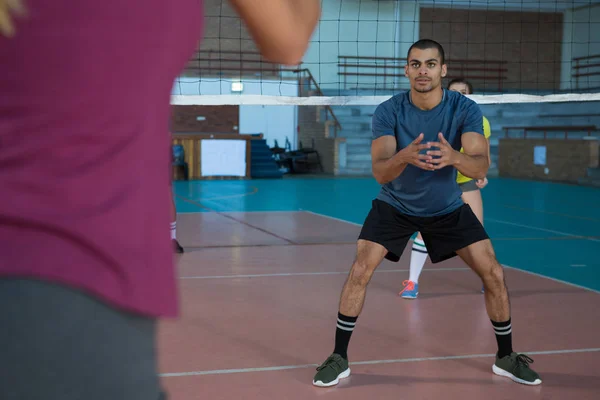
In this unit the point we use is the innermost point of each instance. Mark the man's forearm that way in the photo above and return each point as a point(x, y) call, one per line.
point(281, 29)
point(472, 166)
point(304, 16)
point(307, 10)
point(386, 171)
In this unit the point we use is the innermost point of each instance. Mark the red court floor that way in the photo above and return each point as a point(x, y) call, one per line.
point(260, 291)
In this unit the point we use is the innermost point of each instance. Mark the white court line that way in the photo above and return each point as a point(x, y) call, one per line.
point(542, 229)
point(487, 219)
point(507, 266)
point(371, 362)
point(313, 273)
point(334, 218)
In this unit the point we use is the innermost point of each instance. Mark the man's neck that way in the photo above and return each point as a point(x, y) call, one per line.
point(428, 100)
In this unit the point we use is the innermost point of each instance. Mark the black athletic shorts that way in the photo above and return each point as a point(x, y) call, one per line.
point(443, 235)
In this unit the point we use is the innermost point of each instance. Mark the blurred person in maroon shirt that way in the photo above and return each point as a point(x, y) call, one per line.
point(86, 264)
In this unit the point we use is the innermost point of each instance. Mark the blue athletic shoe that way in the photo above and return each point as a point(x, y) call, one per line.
point(410, 291)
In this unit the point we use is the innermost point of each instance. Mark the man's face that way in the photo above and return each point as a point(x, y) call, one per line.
point(424, 70)
point(459, 87)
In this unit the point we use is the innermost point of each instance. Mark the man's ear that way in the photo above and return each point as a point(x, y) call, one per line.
point(444, 71)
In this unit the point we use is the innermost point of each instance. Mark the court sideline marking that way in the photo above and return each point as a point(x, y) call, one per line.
point(549, 213)
point(507, 266)
point(375, 362)
point(198, 204)
point(497, 221)
point(370, 362)
point(314, 273)
point(354, 223)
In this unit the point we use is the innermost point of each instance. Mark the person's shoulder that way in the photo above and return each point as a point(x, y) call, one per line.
point(391, 105)
point(460, 99)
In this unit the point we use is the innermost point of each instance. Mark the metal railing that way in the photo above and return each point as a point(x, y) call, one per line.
point(585, 67)
point(306, 82)
point(251, 64)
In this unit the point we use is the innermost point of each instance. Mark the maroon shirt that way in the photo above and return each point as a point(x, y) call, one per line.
point(84, 146)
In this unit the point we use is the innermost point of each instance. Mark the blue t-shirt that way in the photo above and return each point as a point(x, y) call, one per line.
point(417, 191)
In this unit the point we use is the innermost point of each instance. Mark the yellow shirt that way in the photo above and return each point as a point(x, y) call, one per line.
point(487, 132)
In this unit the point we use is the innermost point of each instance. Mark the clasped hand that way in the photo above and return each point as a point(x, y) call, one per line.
point(431, 160)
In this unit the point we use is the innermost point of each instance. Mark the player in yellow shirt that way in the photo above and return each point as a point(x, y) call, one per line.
point(471, 195)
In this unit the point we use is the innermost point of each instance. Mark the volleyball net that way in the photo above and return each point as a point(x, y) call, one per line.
point(359, 48)
point(531, 63)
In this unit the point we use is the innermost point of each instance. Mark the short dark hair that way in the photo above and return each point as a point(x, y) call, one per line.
point(461, 80)
point(424, 44)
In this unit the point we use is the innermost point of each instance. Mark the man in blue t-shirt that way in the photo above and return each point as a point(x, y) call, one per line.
point(417, 137)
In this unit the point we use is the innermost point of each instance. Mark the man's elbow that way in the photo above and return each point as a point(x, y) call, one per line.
point(380, 177)
point(287, 58)
point(482, 173)
point(381, 180)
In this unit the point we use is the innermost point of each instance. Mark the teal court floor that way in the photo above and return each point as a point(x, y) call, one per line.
point(544, 228)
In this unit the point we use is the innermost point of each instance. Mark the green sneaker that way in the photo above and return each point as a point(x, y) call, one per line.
point(516, 367)
point(331, 371)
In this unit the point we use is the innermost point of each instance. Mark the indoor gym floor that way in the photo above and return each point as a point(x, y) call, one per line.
point(266, 259)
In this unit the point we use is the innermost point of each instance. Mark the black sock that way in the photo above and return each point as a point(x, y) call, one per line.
point(503, 332)
point(345, 326)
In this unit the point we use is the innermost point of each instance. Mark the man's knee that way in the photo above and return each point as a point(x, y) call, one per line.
point(493, 278)
point(361, 273)
point(369, 256)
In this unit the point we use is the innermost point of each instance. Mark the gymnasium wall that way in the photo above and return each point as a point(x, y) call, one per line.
point(557, 160)
point(529, 41)
point(205, 119)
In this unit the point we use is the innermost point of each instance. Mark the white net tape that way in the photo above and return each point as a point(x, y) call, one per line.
point(268, 100)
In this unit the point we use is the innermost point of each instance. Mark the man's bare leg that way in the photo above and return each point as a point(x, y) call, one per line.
point(481, 258)
point(368, 257)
